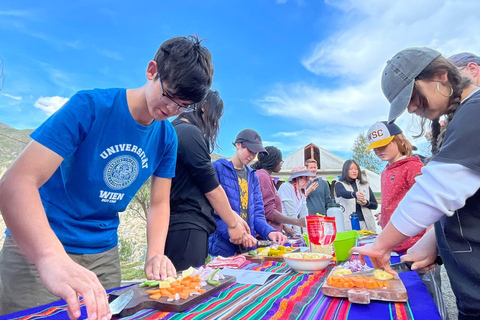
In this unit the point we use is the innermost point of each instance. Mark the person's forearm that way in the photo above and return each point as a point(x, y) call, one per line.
point(343, 193)
point(280, 218)
point(219, 201)
point(429, 239)
point(389, 238)
point(25, 217)
point(158, 219)
point(454, 184)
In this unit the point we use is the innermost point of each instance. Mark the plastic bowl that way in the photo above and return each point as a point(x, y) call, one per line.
point(307, 265)
point(344, 241)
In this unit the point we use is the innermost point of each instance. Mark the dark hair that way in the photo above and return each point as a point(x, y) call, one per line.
point(440, 64)
point(186, 66)
point(346, 168)
point(268, 161)
point(208, 120)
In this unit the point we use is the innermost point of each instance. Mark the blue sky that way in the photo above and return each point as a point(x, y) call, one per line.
point(297, 71)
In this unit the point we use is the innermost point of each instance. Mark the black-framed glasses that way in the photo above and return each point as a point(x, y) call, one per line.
point(168, 100)
point(282, 162)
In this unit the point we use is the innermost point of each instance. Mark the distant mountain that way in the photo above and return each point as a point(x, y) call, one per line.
point(12, 142)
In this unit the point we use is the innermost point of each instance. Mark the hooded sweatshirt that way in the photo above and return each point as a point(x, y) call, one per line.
point(397, 179)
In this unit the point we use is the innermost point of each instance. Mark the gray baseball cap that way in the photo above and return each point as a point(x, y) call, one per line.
point(398, 77)
point(464, 58)
point(251, 139)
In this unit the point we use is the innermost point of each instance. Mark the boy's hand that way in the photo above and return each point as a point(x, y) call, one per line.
point(159, 267)
point(249, 241)
point(278, 237)
point(69, 280)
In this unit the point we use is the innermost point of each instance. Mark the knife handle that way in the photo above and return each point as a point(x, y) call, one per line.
point(438, 260)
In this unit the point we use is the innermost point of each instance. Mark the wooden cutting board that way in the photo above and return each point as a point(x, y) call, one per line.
point(141, 299)
point(396, 292)
point(261, 259)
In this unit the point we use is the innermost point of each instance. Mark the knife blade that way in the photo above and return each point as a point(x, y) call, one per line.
point(117, 305)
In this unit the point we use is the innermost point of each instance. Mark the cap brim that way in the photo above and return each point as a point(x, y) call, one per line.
point(400, 103)
point(255, 147)
point(380, 143)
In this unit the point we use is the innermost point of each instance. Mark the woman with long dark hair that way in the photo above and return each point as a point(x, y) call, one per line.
point(196, 194)
point(423, 82)
point(267, 164)
point(355, 195)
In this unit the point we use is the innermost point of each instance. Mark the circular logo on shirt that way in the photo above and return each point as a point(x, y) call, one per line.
point(120, 172)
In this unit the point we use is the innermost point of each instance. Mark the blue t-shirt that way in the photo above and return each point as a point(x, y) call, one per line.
point(107, 158)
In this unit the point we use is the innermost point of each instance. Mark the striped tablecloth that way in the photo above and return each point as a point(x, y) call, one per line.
point(294, 296)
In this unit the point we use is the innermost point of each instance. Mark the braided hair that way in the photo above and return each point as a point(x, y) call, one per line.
point(438, 65)
point(268, 161)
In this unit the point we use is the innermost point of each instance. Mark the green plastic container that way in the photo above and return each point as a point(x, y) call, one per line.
point(305, 237)
point(344, 241)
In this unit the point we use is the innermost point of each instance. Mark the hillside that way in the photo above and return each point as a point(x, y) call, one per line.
point(12, 142)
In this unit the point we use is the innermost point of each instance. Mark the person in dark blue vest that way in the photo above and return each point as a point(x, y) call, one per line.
point(447, 193)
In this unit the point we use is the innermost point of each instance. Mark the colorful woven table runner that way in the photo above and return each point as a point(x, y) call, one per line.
point(294, 296)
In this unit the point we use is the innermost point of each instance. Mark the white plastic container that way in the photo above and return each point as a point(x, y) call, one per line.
point(335, 210)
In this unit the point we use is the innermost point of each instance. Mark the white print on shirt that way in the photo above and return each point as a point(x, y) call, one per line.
point(119, 173)
point(126, 147)
point(110, 197)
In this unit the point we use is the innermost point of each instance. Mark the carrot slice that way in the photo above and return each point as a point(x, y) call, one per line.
point(155, 296)
point(153, 291)
point(184, 295)
point(196, 278)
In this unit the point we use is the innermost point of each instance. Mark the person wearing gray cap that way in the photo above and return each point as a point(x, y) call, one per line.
point(243, 192)
point(468, 64)
point(447, 193)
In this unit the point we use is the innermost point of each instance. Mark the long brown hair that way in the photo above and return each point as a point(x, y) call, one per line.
point(206, 117)
point(439, 65)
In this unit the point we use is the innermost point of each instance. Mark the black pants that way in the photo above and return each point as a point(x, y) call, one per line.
point(188, 247)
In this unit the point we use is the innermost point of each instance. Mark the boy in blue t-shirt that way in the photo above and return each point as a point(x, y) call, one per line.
point(61, 197)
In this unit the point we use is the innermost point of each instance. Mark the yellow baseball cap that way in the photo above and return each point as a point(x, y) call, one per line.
point(381, 134)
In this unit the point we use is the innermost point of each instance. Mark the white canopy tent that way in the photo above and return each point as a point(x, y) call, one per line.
point(329, 165)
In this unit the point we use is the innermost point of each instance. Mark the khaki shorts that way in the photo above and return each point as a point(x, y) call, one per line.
point(20, 285)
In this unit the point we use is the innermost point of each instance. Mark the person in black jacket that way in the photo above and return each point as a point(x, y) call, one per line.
point(196, 194)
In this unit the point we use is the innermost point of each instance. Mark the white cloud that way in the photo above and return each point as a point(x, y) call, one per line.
point(12, 97)
point(14, 13)
point(110, 54)
point(50, 104)
point(369, 33)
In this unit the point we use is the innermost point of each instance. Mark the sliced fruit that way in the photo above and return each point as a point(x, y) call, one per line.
point(382, 275)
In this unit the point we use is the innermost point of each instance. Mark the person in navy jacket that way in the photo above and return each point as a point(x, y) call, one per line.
point(243, 191)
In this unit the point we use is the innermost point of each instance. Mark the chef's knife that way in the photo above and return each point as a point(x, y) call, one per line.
point(407, 265)
point(397, 267)
point(117, 305)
